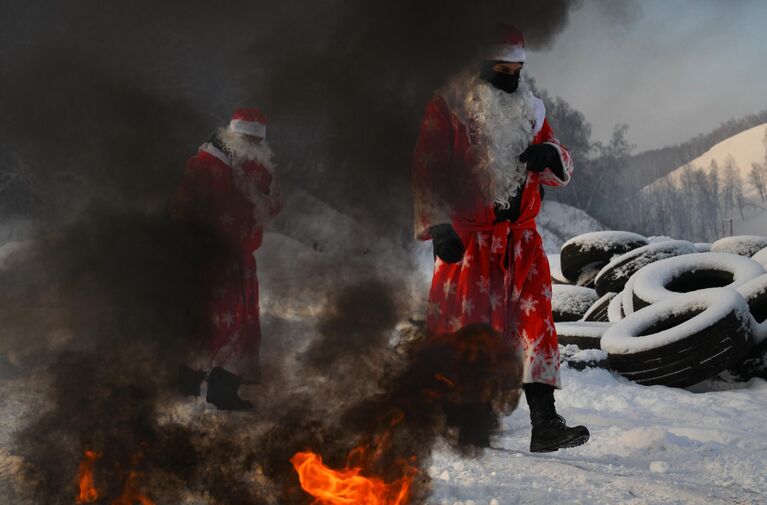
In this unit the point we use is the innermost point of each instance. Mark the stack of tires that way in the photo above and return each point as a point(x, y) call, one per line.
point(666, 311)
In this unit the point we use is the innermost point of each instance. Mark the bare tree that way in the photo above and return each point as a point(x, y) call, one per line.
point(757, 176)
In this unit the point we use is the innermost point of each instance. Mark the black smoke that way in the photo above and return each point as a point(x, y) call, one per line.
point(100, 105)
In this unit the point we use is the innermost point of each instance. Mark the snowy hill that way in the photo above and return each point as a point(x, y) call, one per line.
point(742, 151)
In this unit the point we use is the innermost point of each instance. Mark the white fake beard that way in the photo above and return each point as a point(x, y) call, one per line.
point(244, 149)
point(505, 123)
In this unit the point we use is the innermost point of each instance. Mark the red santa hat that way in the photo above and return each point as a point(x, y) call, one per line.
point(249, 122)
point(509, 46)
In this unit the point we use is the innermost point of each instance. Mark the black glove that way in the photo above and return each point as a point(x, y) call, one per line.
point(447, 243)
point(511, 213)
point(539, 157)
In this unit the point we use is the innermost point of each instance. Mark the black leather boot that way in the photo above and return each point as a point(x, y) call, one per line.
point(189, 381)
point(550, 433)
point(222, 390)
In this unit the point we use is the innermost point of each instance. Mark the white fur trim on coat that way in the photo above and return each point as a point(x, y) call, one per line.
point(216, 153)
point(506, 52)
point(248, 127)
point(540, 113)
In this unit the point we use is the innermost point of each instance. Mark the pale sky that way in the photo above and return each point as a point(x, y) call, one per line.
point(670, 69)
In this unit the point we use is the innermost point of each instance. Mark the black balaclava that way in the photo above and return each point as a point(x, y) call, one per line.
point(505, 82)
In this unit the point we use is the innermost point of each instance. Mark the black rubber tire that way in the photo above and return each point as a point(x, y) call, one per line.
point(596, 249)
point(693, 356)
point(670, 277)
point(755, 362)
point(598, 311)
point(586, 335)
point(570, 303)
point(614, 275)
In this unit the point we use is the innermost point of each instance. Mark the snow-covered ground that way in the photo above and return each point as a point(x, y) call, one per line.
point(649, 445)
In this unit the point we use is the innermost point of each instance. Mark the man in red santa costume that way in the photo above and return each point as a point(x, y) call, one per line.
point(230, 190)
point(484, 149)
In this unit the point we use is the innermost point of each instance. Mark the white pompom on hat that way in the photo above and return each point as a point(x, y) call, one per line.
point(509, 46)
point(249, 122)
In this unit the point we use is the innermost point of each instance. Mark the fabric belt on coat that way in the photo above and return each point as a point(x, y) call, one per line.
point(502, 234)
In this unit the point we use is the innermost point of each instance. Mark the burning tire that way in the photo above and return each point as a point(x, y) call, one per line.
point(586, 335)
point(570, 303)
point(595, 250)
point(683, 274)
point(598, 311)
point(614, 276)
point(742, 245)
point(681, 341)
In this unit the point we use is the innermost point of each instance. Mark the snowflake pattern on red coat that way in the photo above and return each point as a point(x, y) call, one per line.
point(208, 195)
point(504, 278)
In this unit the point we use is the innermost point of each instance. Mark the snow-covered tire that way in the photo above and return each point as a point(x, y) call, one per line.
point(703, 246)
point(615, 309)
point(588, 275)
point(683, 340)
point(755, 293)
point(614, 275)
point(742, 245)
point(598, 311)
point(691, 272)
point(755, 363)
point(585, 335)
point(570, 303)
point(596, 249)
point(761, 257)
point(557, 277)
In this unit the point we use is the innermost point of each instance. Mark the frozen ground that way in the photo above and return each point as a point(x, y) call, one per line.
point(649, 445)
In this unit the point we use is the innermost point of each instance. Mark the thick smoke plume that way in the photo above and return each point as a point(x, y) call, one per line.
point(101, 104)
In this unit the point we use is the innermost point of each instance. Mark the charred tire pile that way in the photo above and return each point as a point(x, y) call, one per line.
point(570, 303)
point(682, 340)
point(614, 275)
point(583, 256)
point(684, 274)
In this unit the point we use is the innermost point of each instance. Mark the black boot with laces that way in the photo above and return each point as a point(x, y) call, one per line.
point(550, 433)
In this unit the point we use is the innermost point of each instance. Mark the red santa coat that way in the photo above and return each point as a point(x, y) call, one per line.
point(211, 194)
point(504, 278)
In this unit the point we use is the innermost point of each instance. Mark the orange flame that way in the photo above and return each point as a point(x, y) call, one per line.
point(347, 487)
point(131, 494)
point(88, 491)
